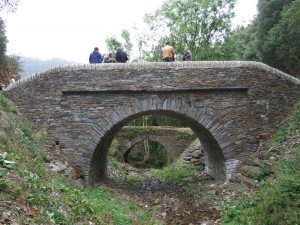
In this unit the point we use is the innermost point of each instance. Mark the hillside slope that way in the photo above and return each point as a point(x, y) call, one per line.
point(32, 194)
point(271, 176)
point(266, 189)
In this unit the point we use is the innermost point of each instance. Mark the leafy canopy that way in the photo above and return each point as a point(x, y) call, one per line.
point(278, 34)
point(194, 23)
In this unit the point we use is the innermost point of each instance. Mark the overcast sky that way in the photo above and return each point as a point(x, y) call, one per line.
point(70, 29)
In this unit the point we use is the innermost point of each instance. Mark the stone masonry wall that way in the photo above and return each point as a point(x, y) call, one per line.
point(230, 106)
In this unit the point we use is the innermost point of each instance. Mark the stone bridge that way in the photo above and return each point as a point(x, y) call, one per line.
point(175, 140)
point(230, 106)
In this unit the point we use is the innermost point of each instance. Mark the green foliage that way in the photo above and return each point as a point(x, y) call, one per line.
point(278, 196)
point(290, 165)
point(52, 198)
point(177, 171)
point(157, 120)
point(4, 186)
point(117, 166)
point(127, 44)
point(14, 64)
point(134, 179)
point(4, 163)
point(262, 173)
point(115, 150)
point(157, 155)
point(290, 184)
point(3, 42)
point(277, 34)
point(292, 124)
point(113, 43)
point(282, 132)
point(239, 44)
point(56, 216)
point(4, 104)
point(236, 206)
point(197, 24)
point(2, 171)
point(11, 62)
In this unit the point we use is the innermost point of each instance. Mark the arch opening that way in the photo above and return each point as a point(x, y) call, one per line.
point(214, 157)
point(146, 154)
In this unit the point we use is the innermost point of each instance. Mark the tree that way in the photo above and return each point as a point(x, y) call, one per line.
point(141, 40)
point(127, 44)
point(14, 64)
point(278, 34)
point(9, 5)
point(239, 44)
point(113, 43)
point(284, 37)
point(154, 52)
point(194, 23)
point(3, 42)
point(6, 62)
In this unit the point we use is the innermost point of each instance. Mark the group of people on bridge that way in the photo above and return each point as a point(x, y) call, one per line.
point(97, 57)
point(168, 55)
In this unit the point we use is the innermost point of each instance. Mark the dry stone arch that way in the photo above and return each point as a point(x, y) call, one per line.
point(216, 161)
point(175, 140)
point(230, 106)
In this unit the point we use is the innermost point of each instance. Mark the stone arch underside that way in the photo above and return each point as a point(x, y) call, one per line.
point(197, 119)
point(140, 163)
point(174, 139)
point(128, 147)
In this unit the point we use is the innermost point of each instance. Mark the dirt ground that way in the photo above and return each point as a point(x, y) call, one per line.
point(175, 203)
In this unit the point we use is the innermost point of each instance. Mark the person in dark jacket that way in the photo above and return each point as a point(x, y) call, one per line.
point(187, 54)
point(121, 56)
point(95, 56)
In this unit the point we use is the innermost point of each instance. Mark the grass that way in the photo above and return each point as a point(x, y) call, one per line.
point(291, 125)
point(277, 200)
point(184, 173)
point(5, 105)
point(262, 173)
point(236, 206)
point(180, 171)
point(177, 171)
point(38, 196)
point(134, 179)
